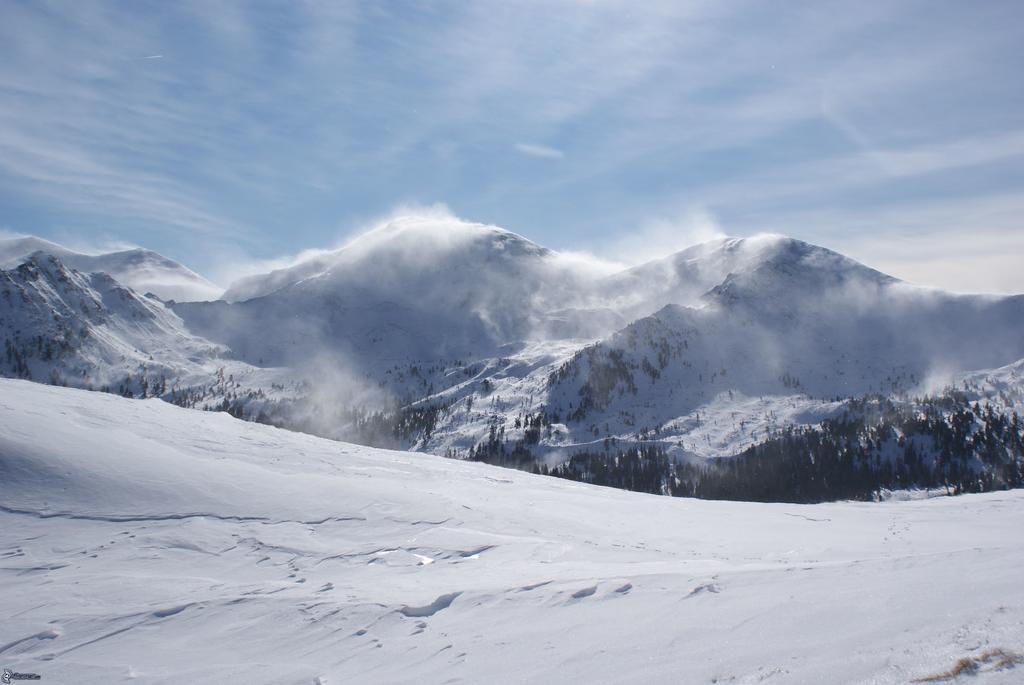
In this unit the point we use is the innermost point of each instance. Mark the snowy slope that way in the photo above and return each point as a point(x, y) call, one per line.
point(142, 270)
point(146, 543)
point(1003, 386)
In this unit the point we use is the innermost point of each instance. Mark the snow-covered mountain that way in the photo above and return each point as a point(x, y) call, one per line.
point(142, 270)
point(145, 542)
point(446, 336)
point(684, 277)
point(725, 341)
point(441, 289)
point(801, 321)
point(85, 329)
point(413, 289)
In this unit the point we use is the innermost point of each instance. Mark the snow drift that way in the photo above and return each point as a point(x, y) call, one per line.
point(146, 542)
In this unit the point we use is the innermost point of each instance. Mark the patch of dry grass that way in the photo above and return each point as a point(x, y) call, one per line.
point(992, 660)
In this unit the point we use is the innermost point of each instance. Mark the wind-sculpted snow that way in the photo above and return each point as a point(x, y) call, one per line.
point(140, 541)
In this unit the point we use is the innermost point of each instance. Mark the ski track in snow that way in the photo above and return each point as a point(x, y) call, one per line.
point(146, 543)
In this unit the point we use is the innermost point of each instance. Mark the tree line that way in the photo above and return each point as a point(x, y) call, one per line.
point(878, 444)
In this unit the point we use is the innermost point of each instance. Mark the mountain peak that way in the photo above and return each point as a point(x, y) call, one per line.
point(410, 242)
point(416, 238)
point(14, 251)
point(755, 248)
point(787, 269)
point(140, 269)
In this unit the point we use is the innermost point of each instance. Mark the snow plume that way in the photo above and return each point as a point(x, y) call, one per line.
point(478, 283)
point(6, 233)
point(778, 314)
point(333, 391)
point(415, 236)
point(663, 236)
point(433, 245)
point(880, 333)
point(585, 264)
point(436, 223)
point(799, 319)
point(436, 219)
point(685, 276)
point(958, 332)
point(239, 270)
point(61, 242)
point(336, 382)
point(140, 269)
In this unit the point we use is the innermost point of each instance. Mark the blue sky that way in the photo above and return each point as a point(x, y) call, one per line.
point(225, 133)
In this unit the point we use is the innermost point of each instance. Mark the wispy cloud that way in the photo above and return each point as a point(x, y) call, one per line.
point(266, 126)
point(539, 151)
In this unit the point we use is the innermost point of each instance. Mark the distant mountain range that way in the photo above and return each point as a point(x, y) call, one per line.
point(141, 270)
point(471, 341)
point(88, 330)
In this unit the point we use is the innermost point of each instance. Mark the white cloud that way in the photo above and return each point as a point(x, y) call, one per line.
point(539, 151)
